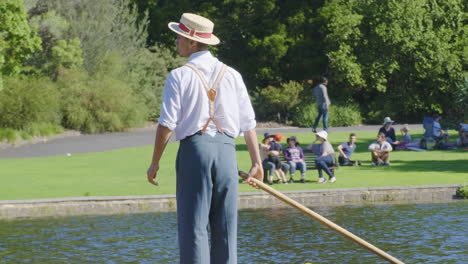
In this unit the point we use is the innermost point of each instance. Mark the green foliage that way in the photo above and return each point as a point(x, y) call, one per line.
point(462, 192)
point(268, 41)
point(67, 55)
point(347, 115)
point(8, 135)
point(88, 33)
point(28, 100)
point(305, 115)
point(98, 103)
point(338, 115)
point(147, 71)
point(400, 58)
point(17, 40)
point(41, 129)
point(282, 100)
point(31, 130)
point(102, 27)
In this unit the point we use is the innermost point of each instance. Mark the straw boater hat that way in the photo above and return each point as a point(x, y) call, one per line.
point(196, 28)
point(323, 134)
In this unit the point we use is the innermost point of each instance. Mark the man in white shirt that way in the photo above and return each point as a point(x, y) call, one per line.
point(207, 105)
point(380, 151)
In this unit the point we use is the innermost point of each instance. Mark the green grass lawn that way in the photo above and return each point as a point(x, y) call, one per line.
point(123, 172)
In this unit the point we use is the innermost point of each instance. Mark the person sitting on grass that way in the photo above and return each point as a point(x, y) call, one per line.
point(326, 158)
point(346, 149)
point(463, 135)
point(294, 155)
point(389, 132)
point(405, 132)
point(380, 151)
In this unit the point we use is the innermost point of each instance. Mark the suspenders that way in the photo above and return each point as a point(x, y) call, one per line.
point(211, 93)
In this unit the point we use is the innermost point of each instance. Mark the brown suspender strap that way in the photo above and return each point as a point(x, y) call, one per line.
point(211, 93)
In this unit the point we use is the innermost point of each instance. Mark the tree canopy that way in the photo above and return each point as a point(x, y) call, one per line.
point(402, 58)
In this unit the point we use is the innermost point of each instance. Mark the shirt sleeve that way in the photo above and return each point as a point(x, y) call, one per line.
point(301, 153)
point(247, 115)
point(287, 154)
point(170, 107)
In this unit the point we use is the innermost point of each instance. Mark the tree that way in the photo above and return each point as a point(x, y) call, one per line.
point(17, 40)
point(268, 41)
point(402, 58)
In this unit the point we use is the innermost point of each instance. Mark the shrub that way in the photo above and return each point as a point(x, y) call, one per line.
point(40, 130)
point(337, 116)
point(462, 192)
point(347, 115)
point(98, 103)
point(29, 100)
point(283, 99)
point(31, 130)
point(8, 134)
point(305, 115)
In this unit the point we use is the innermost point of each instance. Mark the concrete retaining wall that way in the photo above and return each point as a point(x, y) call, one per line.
point(164, 203)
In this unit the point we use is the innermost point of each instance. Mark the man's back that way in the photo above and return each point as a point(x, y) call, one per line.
point(321, 95)
point(185, 102)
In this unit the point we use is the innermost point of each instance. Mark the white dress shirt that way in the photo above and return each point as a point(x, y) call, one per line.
point(185, 107)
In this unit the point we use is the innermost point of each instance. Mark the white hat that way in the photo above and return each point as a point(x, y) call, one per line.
point(388, 120)
point(196, 28)
point(323, 134)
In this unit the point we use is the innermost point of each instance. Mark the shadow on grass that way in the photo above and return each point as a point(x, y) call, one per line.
point(456, 166)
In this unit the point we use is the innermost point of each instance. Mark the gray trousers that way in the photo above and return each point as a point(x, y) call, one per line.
point(207, 185)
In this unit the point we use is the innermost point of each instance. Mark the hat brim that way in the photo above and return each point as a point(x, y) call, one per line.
point(211, 41)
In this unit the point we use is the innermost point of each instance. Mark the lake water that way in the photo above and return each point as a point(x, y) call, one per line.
point(415, 233)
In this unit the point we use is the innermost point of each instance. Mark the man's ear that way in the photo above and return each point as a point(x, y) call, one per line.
point(193, 44)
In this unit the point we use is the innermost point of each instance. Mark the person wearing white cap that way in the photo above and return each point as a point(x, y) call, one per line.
point(326, 158)
point(207, 105)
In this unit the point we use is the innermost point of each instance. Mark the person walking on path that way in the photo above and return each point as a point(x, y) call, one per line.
point(323, 104)
point(207, 105)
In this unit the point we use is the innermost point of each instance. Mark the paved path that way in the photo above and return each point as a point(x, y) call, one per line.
point(135, 138)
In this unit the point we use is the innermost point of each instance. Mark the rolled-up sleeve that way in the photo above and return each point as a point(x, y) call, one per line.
point(246, 113)
point(170, 107)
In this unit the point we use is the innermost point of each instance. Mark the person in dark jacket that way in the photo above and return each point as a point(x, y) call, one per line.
point(389, 132)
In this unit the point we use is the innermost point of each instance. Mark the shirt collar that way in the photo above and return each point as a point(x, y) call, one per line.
point(204, 54)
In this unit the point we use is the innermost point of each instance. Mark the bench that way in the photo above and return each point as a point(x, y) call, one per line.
point(309, 158)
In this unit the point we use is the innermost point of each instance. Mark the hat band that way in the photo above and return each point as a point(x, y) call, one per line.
point(193, 32)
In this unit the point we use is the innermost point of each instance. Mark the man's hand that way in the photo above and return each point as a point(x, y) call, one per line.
point(151, 173)
point(255, 172)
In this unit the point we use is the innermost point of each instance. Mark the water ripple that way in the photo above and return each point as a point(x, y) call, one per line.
point(424, 233)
